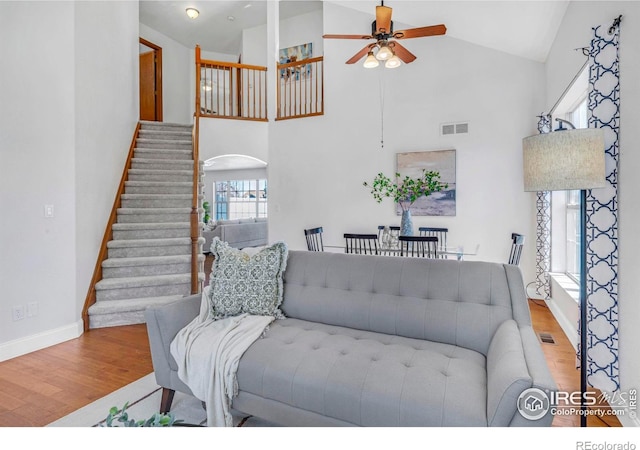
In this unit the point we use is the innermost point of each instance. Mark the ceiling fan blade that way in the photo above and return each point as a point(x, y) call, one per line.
point(383, 19)
point(401, 52)
point(433, 30)
point(346, 36)
point(359, 55)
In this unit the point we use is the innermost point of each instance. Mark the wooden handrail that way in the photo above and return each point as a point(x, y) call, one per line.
point(208, 62)
point(302, 62)
point(108, 233)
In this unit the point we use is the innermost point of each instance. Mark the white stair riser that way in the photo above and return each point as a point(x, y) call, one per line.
point(143, 291)
point(142, 271)
point(134, 252)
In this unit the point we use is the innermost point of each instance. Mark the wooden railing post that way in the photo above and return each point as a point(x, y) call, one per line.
point(195, 216)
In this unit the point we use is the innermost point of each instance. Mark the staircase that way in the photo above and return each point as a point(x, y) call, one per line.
point(149, 257)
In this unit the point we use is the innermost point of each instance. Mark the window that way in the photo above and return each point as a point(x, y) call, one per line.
point(240, 199)
point(565, 205)
point(578, 117)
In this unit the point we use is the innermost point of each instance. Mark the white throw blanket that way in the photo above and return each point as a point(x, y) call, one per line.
point(208, 351)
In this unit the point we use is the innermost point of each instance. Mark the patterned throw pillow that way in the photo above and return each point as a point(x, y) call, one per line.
point(241, 283)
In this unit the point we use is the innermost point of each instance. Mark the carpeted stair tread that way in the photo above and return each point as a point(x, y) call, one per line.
point(161, 172)
point(157, 196)
point(148, 260)
point(151, 226)
point(148, 124)
point(145, 281)
point(170, 164)
point(178, 154)
point(167, 133)
point(154, 211)
point(128, 243)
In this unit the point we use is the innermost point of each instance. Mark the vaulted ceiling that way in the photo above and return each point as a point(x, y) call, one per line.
point(524, 28)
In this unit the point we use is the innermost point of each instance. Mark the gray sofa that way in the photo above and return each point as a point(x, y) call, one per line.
point(382, 341)
point(239, 233)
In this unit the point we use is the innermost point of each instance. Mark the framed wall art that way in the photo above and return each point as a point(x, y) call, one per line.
point(292, 54)
point(443, 161)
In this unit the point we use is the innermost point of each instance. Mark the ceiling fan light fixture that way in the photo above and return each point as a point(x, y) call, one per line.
point(371, 61)
point(384, 52)
point(393, 62)
point(192, 13)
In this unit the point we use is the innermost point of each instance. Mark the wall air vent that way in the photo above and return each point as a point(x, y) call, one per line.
point(447, 129)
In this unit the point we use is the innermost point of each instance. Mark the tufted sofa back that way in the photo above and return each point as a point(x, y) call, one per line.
point(454, 302)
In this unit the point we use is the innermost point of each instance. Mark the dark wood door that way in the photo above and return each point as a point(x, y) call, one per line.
point(148, 86)
point(150, 81)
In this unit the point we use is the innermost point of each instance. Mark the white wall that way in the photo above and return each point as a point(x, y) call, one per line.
point(106, 65)
point(66, 126)
point(317, 165)
point(37, 144)
point(562, 65)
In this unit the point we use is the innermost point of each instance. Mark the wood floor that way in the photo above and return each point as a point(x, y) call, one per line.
point(40, 387)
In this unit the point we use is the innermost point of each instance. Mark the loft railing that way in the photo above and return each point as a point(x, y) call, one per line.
point(229, 90)
point(300, 90)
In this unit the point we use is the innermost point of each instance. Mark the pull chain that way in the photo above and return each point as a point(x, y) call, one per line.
point(381, 113)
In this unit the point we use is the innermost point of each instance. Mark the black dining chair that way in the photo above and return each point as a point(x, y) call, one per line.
point(517, 242)
point(419, 246)
point(362, 244)
point(314, 239)
point(441, 234)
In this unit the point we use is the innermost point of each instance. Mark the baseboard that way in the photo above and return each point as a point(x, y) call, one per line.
point(39, 341)
point(567, 327)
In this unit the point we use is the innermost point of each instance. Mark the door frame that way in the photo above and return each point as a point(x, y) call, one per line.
point(157, 51)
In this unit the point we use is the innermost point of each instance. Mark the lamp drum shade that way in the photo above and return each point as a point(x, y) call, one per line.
point(564, 160)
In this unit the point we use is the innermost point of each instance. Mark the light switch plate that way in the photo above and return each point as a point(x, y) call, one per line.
point(48, 210)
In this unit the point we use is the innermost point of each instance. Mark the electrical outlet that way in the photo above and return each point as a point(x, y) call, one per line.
point(18, 312)
point(32, 309)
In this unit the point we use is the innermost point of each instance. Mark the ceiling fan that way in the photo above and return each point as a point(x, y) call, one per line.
point(388, 48)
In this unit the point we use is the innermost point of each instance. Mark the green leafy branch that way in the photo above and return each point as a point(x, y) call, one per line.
point(407, 190)
point(122, 416)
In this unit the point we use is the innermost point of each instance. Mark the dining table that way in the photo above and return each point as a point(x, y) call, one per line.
point(457, 251)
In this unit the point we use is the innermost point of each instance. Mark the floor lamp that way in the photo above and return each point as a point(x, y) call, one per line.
point(569, 159)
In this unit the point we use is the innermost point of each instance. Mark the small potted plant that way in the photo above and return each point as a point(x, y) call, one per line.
point(405, 191)
point(117, 416)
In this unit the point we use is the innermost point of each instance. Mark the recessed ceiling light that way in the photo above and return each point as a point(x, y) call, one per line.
point(192, 13)
point(231, 18)
point(247, 6)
